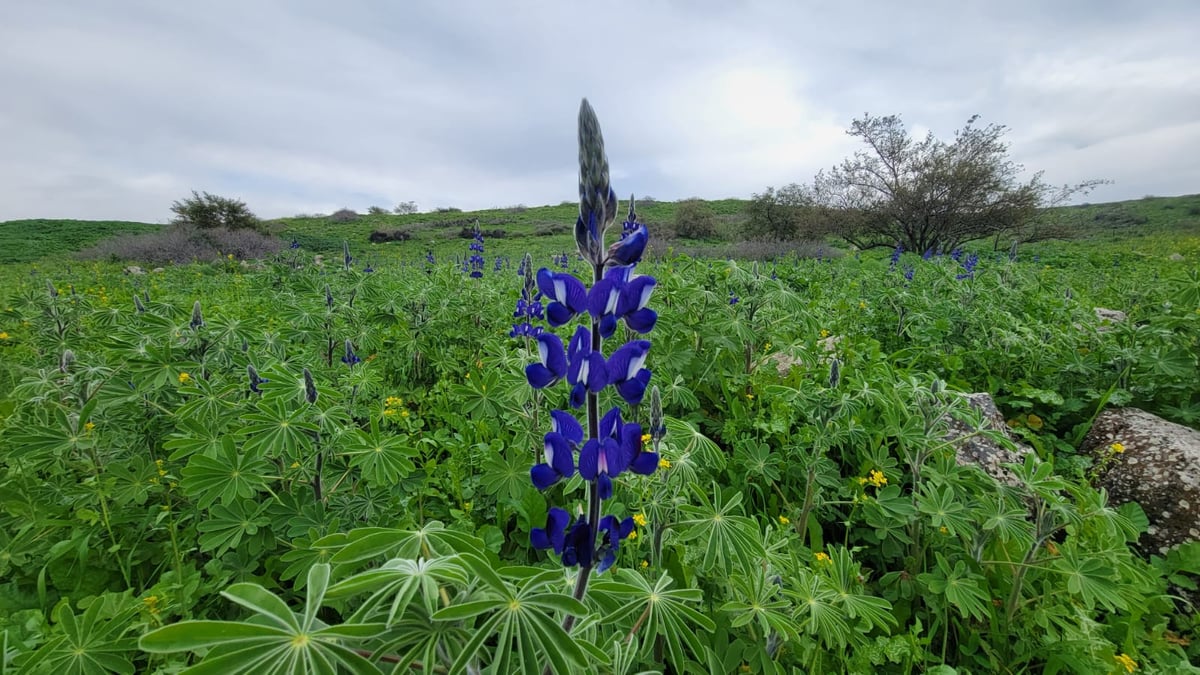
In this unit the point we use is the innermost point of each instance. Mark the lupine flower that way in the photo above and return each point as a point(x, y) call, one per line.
point(350, 358)
point(529, 305)
point(612, 533)
point(733, 299)
point(310, 387)
point(552, 362)
point(956, 255)
point(197, 316)
point(909, 270)
point(255, 380)
point(568, 296)
point(585, 370)
point(626, 373)
point(835, 373)
point(968, 266)
point(346, 259)
point(328, 297)
point(928, 254)
point(597, 201)
point(368, 269)
point(51, 289)
point(475, 263)
point(560, 445)
point(137, 304)
point(295, 243)
point(896, 256)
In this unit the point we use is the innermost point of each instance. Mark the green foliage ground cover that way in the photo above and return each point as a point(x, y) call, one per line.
point(27, 240)
point(799, 523)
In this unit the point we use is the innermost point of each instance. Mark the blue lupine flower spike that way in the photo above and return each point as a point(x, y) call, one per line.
point(597, 201)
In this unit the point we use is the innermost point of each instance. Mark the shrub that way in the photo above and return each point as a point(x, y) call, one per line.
point(377, 211)
point(406, 209)
point(209, 211)
point(344, 216)
point(549, 229)
point(183, 244)
point(449, 209)
point(469, 232)
point(694, 220)
point(379, 236)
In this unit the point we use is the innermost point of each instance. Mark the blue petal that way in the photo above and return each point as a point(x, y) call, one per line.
point(558, 314)
point(565, 423)
point(578, 396)
point(597, 373)
point(636, 294)
point(634, 390)
point(539, 376)
point(580, 342)
point(608, 326)
point(627, 360)
point(543, 476)
point(610, 424)
point(629, 250)
point(644, 463)
point(589, 458)
point(561, 457)
point(642, 320)
point(604, 486)
point(604, 297)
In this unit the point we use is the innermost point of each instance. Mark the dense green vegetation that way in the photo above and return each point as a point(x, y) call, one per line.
point(26, 240)
point(798, 521)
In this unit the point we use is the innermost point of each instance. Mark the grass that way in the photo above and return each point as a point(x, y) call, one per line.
point(28, 240)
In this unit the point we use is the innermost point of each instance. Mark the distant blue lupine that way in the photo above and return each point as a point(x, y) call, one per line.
point(909, 270)
point(350, 358)
point(529, 305)
point(612, 446)
point(968, 266)
point(928, 254)
point(474, 264)
point(956, 255)
point(430, 261)
point(347, 260)
point(255, 380)
point(896, 256)
point(295, 243)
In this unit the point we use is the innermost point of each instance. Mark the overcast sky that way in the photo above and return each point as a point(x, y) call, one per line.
point(113, 109)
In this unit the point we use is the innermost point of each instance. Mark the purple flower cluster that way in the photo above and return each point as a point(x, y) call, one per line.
point(612, 446)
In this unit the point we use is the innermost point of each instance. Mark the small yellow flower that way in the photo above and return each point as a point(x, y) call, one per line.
point(767, 347)
point(645, 564)
point(1117, 448)
point(1126, 662)
point(229, 257)
point(89, 426)
point(783, 520)
point(877, 478)
point(3, 335)
point(151, 604)
point(639, 519)
point(389, 412)
point(1051, 547)
point(943, 530)
point(404, 413)
point(646, 438)
point(184, 378)
point(632, 535)
point(295, 465)
point(862, 304)
point(1034, 422)
point(824, 333)
point(822, 557)
point(749, 397)
point(664, 463)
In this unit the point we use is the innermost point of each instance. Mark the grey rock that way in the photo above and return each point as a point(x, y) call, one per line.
point(1109, 316)
point(1159, 468)
point(1176, 257)
point(134, 269)
point(982, 451)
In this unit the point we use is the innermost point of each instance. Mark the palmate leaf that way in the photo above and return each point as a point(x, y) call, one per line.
point(507, 478)
point(88, 644)
point(383, 458)
point(963, 589)
point(1095, 580)
point(227, 525)
point(227, 477)
point(369, 542)
point(194, 437)
point(817, 612)
point(669, 612)
point(944, 510)
point(281, 642)
point(397, 582)
point(758, 599)
point(275, 431)
point(726, 536)
point(522, 619)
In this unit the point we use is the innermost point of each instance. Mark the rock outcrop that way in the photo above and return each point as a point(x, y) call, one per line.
point(982, 451)
point(1146, 459)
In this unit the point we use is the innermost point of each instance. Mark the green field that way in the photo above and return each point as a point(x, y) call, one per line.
point(799, 520)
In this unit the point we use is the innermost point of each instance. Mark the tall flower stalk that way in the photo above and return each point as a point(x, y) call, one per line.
point(609, 446)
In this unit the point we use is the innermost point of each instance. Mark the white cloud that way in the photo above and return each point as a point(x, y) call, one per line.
point(116, 111)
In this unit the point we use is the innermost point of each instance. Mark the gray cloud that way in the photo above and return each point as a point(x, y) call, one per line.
point(115, 109)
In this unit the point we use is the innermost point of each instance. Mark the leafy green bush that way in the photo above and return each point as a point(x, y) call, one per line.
point(208, 211)
point(694, 220)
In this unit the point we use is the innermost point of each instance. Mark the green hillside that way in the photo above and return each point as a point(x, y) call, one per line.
point(26, 240)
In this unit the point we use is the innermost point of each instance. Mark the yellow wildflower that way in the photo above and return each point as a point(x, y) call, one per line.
point(89, 426)
point(877, 478)
point(1126, 662)
point(943, 530)
point(1034, 422)
point(767, 347)
point(632, 535)
point(646, 438)
point(1117, 448)
point(862, 304)
point(824, 333)
point(230, 256)
point(3, 335)
point(184, 378)
point(645, 564)
point(664, 463)
point(749, 397)
point(1051, 547)
point(389, 411)
point(151, 604)
point(639, 519)
point(783, 520)
point(404, 413)
point(822, 557)
point(295, 465)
